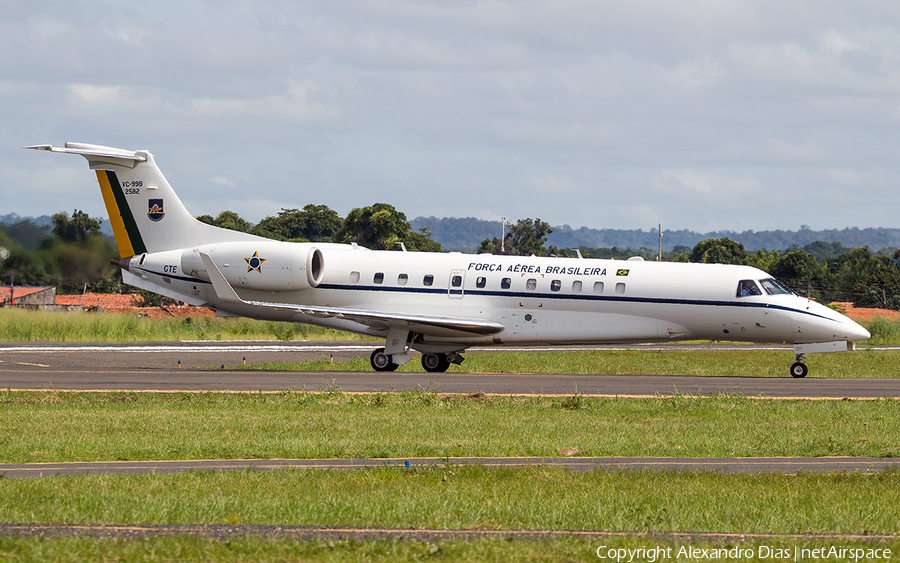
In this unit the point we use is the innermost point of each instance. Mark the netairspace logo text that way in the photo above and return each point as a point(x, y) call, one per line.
point(654, 554)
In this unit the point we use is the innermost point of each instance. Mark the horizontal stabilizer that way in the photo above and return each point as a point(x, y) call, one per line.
point(91, 150)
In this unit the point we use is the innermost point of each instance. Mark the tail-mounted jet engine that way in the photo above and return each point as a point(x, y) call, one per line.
point(263, 266)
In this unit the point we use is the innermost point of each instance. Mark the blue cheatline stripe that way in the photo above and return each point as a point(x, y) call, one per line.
point(180, 278)
point(572, 297)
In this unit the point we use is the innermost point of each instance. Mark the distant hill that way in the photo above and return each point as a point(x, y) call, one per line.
point(467, 234)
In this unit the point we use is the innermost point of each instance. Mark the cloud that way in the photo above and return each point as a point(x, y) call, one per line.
point(577, 111)
point(89, 94)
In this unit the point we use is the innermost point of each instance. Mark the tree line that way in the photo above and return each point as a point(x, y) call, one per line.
point(72, 254)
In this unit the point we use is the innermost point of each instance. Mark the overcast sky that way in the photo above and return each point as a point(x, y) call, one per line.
point(608, 114)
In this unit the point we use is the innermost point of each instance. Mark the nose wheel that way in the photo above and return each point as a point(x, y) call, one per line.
point(798, 368)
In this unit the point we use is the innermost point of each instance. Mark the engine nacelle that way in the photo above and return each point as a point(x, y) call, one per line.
point(264, 265)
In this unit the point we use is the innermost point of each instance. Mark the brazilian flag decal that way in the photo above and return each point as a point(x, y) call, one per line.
point(622, 272)
point(128, 237)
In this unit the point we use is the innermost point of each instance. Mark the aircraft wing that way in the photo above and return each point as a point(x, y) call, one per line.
point(425, 324)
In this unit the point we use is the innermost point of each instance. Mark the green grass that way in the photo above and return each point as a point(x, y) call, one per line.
point(58, 426)
point(18, 325)
point(62, 426)
point(252, 549)
point(470, 497)
point(862, 364)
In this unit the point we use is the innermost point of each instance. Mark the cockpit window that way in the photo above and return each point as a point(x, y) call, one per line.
point(772, 287)
point(746, 288)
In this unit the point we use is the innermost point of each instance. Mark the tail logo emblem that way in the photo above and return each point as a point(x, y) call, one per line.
point(254, 262)
point(155, 212)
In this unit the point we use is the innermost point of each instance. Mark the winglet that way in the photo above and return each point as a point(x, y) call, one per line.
point(223, 289)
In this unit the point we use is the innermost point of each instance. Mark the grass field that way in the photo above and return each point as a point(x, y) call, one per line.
point(449, 497)
point(469, 497)
point(57, 426)
point(19, 325)
point(562, 550)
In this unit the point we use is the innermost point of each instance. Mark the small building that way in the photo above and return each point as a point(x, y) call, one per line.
point(27, 296)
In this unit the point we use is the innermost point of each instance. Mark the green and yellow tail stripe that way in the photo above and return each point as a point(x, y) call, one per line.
point(128, 237)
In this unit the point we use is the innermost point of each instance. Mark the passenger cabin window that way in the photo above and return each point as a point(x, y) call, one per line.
point(354, 277)
point(402, 279)
point(598, 287)
point(379, 278)
point(555, 285)
point(620, 288)
point(481, 282)
point(531, 284)
point(428, 280)
point(772, 287)
point(505, 283)
point(748, 288)
point(456, 281)
point(576, 286)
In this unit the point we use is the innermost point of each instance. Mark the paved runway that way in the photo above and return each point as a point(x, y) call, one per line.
point(154, 367)
point(785, 465)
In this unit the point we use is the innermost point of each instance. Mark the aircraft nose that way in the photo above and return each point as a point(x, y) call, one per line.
point(856, 332)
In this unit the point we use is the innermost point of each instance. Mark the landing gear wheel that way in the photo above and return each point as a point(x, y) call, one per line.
point(799, 369)
point(435, 362)
point(381, 361)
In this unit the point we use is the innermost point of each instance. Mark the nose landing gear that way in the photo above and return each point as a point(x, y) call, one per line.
point(798, 368)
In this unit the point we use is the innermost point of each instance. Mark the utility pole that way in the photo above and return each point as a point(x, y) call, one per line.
point(659, 256)
point(502, 235)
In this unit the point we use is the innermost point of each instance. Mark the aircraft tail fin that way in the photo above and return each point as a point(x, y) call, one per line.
point(145, 213)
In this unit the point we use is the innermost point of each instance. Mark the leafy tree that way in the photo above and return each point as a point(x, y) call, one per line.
point(869, 280)
point(25, 233)
point(801, 272)
point(317, 223)
point(227, 220)
point(763, 259)
point(421, 241)
point(76, 229)
point(719, 251)
point(382, 227)
point(824, 251)
point(233, 221)
point(526, 237)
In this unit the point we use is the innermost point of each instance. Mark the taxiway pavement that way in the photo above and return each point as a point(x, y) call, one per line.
point(155, 367)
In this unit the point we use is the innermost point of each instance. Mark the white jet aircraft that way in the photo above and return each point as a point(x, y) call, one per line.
point(441, 304)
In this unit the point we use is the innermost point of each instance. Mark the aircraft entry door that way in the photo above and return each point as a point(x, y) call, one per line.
point(457, 281)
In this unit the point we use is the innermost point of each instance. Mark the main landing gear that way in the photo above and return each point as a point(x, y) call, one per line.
point(381, 361)
point(798, 368)
point(432, 362)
